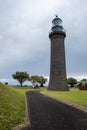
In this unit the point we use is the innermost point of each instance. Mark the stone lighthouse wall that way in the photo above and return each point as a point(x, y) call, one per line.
point(57, 62)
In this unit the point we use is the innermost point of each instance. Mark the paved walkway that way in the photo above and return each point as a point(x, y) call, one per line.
point(48, 114)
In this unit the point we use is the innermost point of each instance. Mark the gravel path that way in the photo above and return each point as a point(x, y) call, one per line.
point(48, 114)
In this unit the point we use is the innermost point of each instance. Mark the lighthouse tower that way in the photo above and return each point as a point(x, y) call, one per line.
point(57, 35)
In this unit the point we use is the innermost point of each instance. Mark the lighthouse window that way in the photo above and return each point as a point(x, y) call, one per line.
point(53, 72)
point(60, 72)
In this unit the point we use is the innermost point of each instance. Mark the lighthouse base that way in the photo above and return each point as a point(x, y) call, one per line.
point(58, 85)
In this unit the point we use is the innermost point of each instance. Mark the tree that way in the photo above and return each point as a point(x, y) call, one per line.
point(21, 77)
point(71, 81)
point(6, 83)
point(83, 82)
point(35, 80)
point(42, 80)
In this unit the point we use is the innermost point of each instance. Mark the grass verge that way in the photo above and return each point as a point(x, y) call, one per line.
point(12, 107)
point(74, 96)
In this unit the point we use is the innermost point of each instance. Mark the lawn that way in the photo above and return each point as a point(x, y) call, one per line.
point(74, 96)
point(12, 107)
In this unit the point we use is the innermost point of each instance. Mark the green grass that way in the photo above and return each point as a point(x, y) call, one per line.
point(74, 96)
point(12, 107)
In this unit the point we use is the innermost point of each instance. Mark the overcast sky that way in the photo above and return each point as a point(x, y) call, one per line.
point(24, 41)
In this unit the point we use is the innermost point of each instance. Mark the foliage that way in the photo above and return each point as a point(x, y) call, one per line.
point(6, 83)
point(83, 82)
point(71, 81)
point(79, 84)
point(34, 80)
point(42, 80)
point(38, 80)
point(21, 77)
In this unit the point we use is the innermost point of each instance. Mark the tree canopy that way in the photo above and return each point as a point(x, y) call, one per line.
point(83, 82)
point(37, 80)
point(42, 80)
point(21, 77)
point(71, 81)
point(34, 80)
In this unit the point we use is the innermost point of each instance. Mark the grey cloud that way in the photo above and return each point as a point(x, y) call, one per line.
point(24, 30)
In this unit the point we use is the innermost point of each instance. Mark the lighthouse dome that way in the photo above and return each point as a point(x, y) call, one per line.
point(57, 24)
